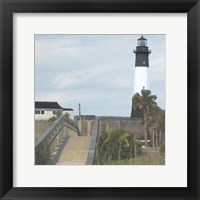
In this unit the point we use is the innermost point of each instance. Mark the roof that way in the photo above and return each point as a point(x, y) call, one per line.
point(49, 105)
point(142, 38)
point(69, 109)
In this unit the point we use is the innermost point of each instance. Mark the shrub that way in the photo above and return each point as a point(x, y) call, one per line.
point(117, 145)
point(162, 149)
point(43, 156)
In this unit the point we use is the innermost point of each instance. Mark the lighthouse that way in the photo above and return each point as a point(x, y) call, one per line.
point(141, 73)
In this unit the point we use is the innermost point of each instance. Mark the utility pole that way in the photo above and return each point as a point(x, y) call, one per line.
point(79, 108)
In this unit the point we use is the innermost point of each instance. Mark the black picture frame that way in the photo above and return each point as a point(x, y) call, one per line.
point(8, 7)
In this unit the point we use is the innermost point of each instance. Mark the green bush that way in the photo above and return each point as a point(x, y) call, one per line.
point(117, 145)
point(162, 149)
point(43, 156)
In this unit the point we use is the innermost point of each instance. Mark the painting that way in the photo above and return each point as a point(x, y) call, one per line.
point(100, 99)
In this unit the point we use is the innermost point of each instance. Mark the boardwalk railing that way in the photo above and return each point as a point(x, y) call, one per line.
point(93, 143)
point(51, 138)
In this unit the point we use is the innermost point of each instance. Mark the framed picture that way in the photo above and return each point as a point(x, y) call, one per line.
point(74, 125)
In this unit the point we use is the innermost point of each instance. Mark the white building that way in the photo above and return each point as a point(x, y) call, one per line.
point(45, 110)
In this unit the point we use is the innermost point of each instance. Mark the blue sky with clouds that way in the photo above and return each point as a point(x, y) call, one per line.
point(95, 70)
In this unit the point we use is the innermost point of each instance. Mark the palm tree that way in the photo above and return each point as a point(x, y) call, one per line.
point(154, 117)
point(144, 102)
point(157, 123)
point(116, 146)
point(161, 125)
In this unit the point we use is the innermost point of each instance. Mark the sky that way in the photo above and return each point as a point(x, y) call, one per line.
point(96, 71)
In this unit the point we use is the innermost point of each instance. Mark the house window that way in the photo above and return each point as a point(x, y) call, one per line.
point(42, 112)
point(37, 112)
point(53, 112)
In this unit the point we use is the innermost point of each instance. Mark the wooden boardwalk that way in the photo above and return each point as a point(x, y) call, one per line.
point(75, 151)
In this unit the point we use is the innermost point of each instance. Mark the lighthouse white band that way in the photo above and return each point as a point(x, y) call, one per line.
point(140, 79)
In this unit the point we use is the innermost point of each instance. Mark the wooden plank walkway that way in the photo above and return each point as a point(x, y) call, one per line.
point(75, 151)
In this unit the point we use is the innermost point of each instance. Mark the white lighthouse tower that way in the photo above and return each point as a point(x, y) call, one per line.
point(141, 79)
